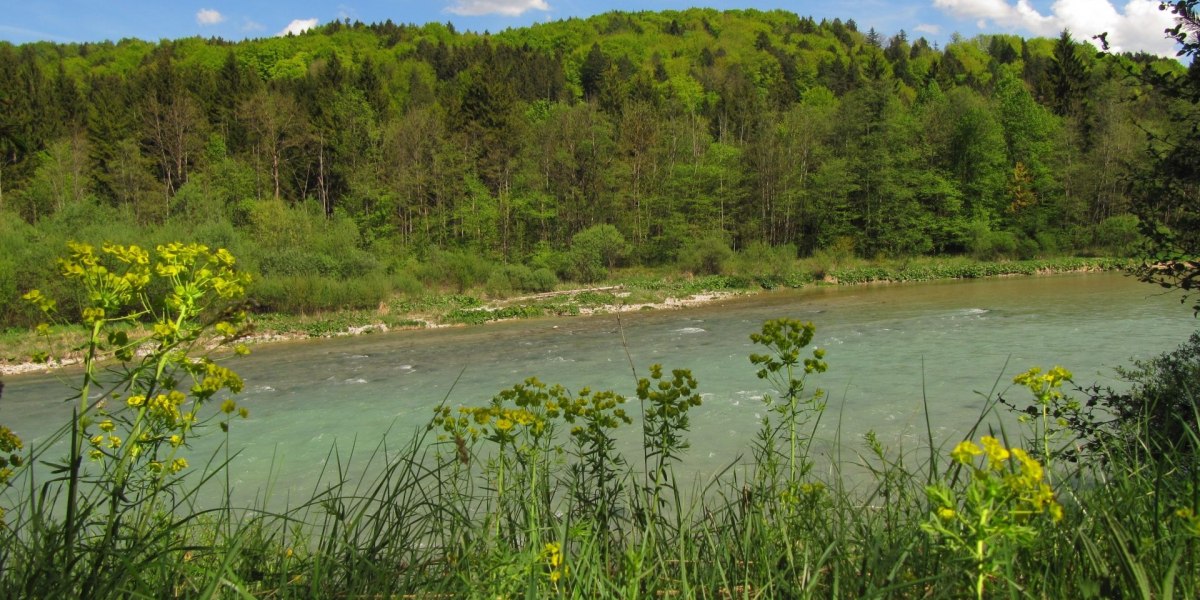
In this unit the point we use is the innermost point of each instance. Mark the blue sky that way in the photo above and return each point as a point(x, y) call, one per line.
point(1131, 24)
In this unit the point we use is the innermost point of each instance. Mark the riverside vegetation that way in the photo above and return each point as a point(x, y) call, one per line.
point(1092, 494)
point(359, 163)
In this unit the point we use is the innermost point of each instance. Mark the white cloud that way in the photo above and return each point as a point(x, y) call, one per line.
point(508, 8)
point(930, 28)
point(252, 25)
point(1138, 26)
point(208, 16)
point(347, 12)
point(298, 26)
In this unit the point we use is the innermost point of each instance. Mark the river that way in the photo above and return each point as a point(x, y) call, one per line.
point(888, 347)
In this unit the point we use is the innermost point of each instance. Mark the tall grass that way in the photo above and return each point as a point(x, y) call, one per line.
point(528, 496)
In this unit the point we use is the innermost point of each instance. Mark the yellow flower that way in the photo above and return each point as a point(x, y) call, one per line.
point(178, 465)
point(946, 513)
point(107, 425)
point(503, 424)
point(996, 452)
point(224, 256)
point(1056, 512)
point(228, 406)
point(964, 452)
point(553, 553)
point(176, 441)
point(1030, 467)
point(1056, 376)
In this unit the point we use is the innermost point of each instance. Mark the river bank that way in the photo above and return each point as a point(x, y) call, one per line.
point(626, 292)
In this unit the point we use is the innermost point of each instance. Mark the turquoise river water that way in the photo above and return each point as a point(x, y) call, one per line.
point(888, 346)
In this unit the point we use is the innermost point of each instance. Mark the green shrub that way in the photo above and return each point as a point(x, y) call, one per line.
point(594, 251)
point(479, 316)
point(313, 293)
point(1051, 244)
point(838, 254)
point(510, 278)
point(1157, 414)
point(706, 255)
point(460, 270)
point(594, 298)
point(1027, 249)
point(545, 257)
point(986, 244)
point(499, 284)
point(761, 259)
point(541, 280)
point(404, 282)
point(1118, 235)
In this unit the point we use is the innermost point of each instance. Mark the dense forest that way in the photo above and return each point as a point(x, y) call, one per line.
point(399, 156)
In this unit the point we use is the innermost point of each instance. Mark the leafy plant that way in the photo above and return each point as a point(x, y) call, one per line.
point(1000, 508)
point(124, 471)
point(787, 371)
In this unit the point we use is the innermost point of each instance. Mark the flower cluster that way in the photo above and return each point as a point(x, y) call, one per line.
point(1052, 412)
point(1004, 502)
point(532, 406)
point(786, 338)
point(10, 445)
point(1046, 387)
point(787, 372)
point(666, 404)
point(594, 412)
point(552, 555)
point(1020, 475)
point(669, 399)
point(493, 422)
point(159, 409)
point(1189, 520)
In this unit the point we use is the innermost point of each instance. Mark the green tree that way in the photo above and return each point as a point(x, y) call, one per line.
point(110, 120)
point(592, 72)
point(1068, 76)
point(1029, 133)
point(277, 130)
point(58, 180)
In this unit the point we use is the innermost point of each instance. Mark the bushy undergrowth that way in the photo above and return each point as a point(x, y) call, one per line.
point(527, 494)
point(971, 270)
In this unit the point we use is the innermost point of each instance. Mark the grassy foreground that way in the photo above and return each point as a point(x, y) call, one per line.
point(1094, 495)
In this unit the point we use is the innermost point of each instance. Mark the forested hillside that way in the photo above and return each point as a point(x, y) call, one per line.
point(396, 156)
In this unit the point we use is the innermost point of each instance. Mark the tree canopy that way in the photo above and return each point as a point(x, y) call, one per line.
point(744, 126)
